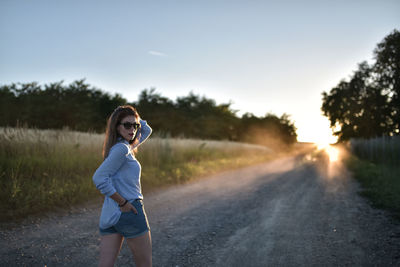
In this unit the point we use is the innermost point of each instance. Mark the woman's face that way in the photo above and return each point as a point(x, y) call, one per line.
point(126, 127)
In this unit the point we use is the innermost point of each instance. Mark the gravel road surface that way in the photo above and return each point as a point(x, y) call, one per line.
point(293, 211)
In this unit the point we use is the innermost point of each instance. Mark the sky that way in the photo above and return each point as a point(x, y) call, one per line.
point(261, 56)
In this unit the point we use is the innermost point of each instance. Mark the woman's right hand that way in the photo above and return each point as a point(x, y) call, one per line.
point(128, 207)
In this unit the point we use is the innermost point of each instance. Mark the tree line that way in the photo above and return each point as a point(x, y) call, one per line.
point(81, 107)
point(368, 104)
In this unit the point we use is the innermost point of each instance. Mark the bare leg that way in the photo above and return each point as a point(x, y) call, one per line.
point(110, 245)
point(141, 249)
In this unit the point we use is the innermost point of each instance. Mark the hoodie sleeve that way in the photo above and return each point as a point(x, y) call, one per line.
point(110, 165)
point(144, 132)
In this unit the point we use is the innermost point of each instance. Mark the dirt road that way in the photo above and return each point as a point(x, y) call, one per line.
point(295, 211)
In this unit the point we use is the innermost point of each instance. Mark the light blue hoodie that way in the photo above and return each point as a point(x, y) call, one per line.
point(119, 172)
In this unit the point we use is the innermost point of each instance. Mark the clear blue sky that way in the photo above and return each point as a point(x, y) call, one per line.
point(263, 56)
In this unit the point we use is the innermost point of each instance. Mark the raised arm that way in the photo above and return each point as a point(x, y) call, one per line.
point(144, 132)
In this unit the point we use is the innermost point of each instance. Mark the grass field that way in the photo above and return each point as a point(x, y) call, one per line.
point(376, 165)
point(41, 170)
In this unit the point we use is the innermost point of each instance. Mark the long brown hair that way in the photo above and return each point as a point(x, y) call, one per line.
point(111, 131)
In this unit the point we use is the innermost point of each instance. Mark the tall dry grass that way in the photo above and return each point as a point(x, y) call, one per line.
point(44, 169)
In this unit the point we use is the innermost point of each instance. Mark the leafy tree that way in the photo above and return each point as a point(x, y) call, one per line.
point(367, 105)
point(387, 69)
point(269, 130)
point(205, 119)
point(159, 110)
point(8, 103)
point(82, 107)
point(77, 106)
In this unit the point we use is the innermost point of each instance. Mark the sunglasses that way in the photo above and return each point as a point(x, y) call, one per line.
point(128, 125)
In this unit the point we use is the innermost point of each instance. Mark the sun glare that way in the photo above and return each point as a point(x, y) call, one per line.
point(321, 146)
point(332, 152)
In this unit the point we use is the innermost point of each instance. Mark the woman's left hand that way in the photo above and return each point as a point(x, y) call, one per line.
point(128, 207)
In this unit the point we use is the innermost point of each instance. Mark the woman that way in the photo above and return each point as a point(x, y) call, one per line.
point(118, 178)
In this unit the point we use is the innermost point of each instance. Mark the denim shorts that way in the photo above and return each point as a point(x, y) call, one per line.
point(130, 225)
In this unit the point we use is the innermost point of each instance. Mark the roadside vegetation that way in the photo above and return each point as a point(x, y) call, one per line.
point(81, 107)
point(365, 106)
point(41, 170)
point(376, 165)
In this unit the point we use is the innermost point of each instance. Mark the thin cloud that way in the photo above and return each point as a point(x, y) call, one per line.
point(158, 54)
